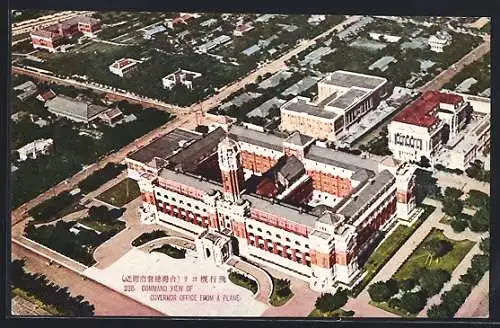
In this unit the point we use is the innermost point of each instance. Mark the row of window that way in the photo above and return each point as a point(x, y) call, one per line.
point(280, 253)
point(180, 201)
point(277, 236)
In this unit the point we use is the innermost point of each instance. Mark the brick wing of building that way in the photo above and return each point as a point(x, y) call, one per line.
point(54, 36)
point(308, 211)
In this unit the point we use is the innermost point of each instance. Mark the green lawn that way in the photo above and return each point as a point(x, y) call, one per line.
point(419, 258)
point(275, 299)
point(333, 314)
point(121, 194)
point(384, 306)
point(243, 281)
point(100, 226)
point(389, 247)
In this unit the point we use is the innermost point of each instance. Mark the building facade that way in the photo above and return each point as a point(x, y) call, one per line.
point(343, 98)
point(182, 77)
point(54, 36)
point(319, 244)
point(425, 125)
point(123, 67)
point(439, 41)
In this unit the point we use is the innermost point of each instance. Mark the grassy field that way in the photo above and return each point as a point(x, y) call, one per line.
point(121, 193)
point(385, 307)
point(103, 227)
point(389, 247)
point(333, 314)
point(419, 258)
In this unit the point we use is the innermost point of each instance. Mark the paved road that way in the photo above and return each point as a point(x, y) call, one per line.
point(462, 182)
point(113, 304)
point(445, 76)
point(477, 304)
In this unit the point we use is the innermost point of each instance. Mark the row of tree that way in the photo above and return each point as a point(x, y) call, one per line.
point(453, 299)
point(329, 303)
point(99, 177)
point(453, 206)
point(78, 246)
point(49, 208)
point(48, 292)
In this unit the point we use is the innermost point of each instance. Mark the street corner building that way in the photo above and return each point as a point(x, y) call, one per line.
point(285, 203)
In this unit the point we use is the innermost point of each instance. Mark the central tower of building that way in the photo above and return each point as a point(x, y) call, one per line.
point(231, 169)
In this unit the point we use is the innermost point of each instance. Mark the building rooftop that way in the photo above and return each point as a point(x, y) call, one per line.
point(465, 85)
point(189, 180)
point(28, 85)
point(358, 201)
point(263, 110)
point(298, 139)
point(275, 79)
point(291, 168)
point(382, 63)
point(187, 157)
point(165, 146)
point(284, 211)
point(72, 107)
point(253, 137)
point(302, 105)
point(349, 79)
point(349, 98)
point(321, 234)
point(340, 159)
point(420, 112)
point(305, 84)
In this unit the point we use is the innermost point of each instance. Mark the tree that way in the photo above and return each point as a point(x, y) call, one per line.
point(477, 198)
point(379, 292)
point(485, 245)
point(452, 206)
point(413, 302)
point(282, 287)
point(424, 162)
point(407, 284)
point(458, 225)
point(480, 221)
point(453, 192)
point(433, 280)
point(438, 312)
point(328, 302)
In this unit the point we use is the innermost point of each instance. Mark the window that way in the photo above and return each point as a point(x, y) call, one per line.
point(278, 236)
point(297, 243)
point(250, 226)
point(259, 229)
point(181, 201)
point(307, 246)
point(228, 225)
point(287, 239)
point(173, 199)
point(197, 207)
point(189, 204)
point(268, 233)
point(158, 193)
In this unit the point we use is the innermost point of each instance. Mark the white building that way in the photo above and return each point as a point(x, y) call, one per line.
point(440, 40)
point(316, 19)
point(418, 130)
point(123, 66)
point(180, 76)
point(34, 149)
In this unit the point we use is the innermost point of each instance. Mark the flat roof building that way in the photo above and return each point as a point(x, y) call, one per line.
point(73, 109)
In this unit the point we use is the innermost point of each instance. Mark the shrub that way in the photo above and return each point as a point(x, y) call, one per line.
point(379, 292)
point(458, 225)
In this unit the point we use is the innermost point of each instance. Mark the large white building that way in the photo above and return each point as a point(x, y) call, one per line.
point(440, 40)
point(123, 66)
point(182, 77)
point(343, 98)
point(422, 127)
point(34, 149)
point(259, 193)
